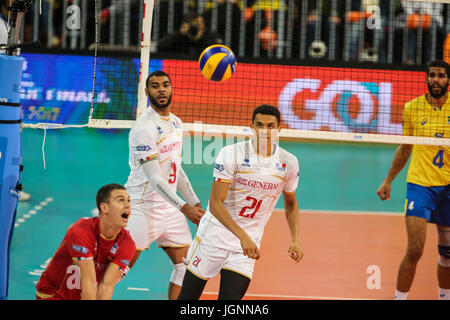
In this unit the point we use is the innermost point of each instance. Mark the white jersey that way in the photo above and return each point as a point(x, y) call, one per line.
point(256, 184)
point(154, 136)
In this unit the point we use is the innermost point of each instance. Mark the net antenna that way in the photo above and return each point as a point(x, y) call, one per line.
point(145, 55)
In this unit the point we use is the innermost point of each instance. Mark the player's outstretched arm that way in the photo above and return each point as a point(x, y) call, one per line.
point(400, 159)
point(218, 195)
point(292, 218)
point(88, 279)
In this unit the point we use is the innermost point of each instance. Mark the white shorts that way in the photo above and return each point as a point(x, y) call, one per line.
point(168, 226)
point(206, 261)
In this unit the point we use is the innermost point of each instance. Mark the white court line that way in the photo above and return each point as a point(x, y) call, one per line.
point(33, 211)
point(138, 289)
point(293, 297)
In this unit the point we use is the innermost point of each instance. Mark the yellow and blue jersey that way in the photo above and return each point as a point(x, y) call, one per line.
point(430, 165)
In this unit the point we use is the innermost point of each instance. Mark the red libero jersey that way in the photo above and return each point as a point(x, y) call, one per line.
point(83, 240)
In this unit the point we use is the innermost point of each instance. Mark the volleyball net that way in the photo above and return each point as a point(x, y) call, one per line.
point(337, 70)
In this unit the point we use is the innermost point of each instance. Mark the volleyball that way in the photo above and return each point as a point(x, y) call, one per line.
point(217, 63)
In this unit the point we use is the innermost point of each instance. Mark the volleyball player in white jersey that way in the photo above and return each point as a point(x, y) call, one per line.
point(155, 150)
point(249, 178)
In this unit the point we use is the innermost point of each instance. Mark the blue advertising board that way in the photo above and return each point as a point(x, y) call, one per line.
point(58, 88)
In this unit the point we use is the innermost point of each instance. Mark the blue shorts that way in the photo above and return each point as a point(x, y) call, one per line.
point(430, 203)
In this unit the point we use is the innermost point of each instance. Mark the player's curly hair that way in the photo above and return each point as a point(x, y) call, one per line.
point(439, 64)
point(157, 73)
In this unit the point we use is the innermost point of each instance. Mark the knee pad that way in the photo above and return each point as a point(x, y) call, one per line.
point(444, 255)
point(178, 274)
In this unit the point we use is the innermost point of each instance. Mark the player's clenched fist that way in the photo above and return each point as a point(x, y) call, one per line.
point(249, 248)
point(193, 213)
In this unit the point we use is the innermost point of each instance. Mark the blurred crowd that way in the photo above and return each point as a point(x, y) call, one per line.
point(383, 31)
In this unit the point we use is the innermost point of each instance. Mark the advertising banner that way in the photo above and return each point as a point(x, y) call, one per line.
point(309, 98)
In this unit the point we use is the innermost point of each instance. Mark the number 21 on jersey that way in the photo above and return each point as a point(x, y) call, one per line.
point(255, 204)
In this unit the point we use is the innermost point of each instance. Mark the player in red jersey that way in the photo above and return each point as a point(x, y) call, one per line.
point(94, 254)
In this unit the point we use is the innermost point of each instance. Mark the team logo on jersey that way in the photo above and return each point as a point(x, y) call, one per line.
point(159, 130)
point(125, 262)
point(143, 147)
point(439, 134)
point(219, 167)
point(114, 248)
point(281, 167)
point(80, 249)
point(176, 125)
point(246, 162)
point(423, 122)
point(170, 147)
point(258, 184)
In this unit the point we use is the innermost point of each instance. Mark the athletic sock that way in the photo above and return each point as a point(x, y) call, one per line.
point(400, 295)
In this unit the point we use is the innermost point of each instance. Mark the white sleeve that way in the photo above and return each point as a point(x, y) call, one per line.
point(143, 144)
point(184, 187)
point(224, 167)
point(292, 180)
point(152, 172)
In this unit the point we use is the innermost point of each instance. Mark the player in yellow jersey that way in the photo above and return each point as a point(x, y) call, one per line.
point(428, 179)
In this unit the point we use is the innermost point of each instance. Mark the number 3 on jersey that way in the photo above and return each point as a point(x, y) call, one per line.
point(255, 205)
point(438, 160)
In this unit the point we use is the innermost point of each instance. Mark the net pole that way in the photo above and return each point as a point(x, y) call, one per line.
point(145, 55)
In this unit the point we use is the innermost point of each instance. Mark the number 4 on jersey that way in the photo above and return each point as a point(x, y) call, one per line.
point(438, 160)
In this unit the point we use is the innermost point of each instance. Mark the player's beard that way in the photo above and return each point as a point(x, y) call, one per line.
point(441, 93)
point(158, 105)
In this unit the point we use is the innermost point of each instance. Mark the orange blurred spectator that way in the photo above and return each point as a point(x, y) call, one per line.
point(269, 13)
point(428, 16)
